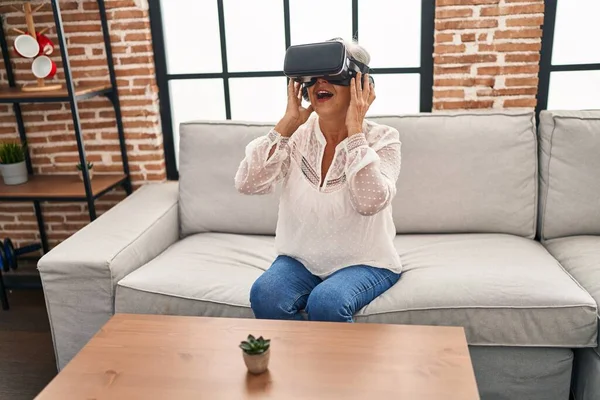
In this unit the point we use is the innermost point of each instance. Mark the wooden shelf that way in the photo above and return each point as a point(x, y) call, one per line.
point(16, 95)
point(58, 187)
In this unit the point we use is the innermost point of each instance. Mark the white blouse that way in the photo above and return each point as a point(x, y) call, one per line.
point(345, 221)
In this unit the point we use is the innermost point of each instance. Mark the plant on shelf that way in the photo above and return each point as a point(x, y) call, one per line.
point(90, 167)
point(256, 354)
point(12, 159)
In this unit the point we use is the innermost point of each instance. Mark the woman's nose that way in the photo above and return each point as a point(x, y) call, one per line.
point(322, 80)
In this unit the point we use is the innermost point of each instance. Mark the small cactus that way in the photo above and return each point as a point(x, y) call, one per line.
point(253, 346)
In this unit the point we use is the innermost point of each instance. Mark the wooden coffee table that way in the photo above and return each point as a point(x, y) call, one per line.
point(168, 357)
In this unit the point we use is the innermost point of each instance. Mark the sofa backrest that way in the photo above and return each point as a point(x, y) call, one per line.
point(473, 171)
point(569, 173)
point(209, 156)
point(461, 172)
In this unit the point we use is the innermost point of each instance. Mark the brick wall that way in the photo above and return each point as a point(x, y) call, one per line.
point(487, 53)
point(50, 128)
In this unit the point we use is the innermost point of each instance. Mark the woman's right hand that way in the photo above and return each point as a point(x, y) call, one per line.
point(295, 114)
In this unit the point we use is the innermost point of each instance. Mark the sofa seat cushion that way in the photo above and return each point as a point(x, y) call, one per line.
point(206, 274)
point(580, 256)
point(503, 289)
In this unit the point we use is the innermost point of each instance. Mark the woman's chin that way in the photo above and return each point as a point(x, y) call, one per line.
point(326, 110)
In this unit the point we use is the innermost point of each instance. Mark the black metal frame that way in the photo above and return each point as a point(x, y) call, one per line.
point(546, 66)
point(163, 77)
point(72, 98)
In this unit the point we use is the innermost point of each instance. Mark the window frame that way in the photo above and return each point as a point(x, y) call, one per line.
point(163, 77)
point(546, 66)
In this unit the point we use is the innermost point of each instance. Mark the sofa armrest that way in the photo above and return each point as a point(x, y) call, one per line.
point(79, 276)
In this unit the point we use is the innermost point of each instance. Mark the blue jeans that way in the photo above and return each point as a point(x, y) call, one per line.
point(287, 288)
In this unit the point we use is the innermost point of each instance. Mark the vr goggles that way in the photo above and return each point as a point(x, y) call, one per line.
point(329, 60)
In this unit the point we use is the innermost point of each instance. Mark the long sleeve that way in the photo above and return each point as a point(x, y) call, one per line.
point(372, 172)
point(260, 171)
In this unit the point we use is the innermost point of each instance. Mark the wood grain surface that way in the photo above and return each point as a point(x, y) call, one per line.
point(56, 186)
point(169, 357)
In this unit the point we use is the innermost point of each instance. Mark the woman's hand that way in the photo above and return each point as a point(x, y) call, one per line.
point(361, 98)
point(295, 114)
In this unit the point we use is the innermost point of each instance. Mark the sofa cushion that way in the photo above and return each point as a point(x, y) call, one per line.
point(580, 256)
point(505, 290)
point(466, 172)
point(210, 154)
point(569, 171)
point(206, 274)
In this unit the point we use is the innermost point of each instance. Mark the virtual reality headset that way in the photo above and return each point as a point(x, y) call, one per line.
point(329, 60)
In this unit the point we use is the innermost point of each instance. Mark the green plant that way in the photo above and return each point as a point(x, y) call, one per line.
point(11, 153)
point(253, 346)
point(89, 165)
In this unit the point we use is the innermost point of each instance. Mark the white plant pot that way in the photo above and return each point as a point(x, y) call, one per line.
point(90, 174)
point(15, 174)
point(257, 364)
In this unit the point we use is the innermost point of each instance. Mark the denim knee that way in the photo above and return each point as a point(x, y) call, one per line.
point(324, 305)
point(269, 303)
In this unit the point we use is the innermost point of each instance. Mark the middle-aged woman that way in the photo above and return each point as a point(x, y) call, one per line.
point(334, 236)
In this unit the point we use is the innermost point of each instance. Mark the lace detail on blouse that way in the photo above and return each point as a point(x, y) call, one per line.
point(347, 220)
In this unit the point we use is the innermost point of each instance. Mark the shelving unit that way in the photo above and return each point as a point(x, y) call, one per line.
point(63, 187)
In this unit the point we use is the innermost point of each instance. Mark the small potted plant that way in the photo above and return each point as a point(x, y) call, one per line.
point(12, 160)
point(90, 167)
point(256, 354)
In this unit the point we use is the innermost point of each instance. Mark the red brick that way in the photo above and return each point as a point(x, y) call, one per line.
point(520, 103)
point(527, 21)
point(130, 26)
point(515, 91)
point(464, 104)
point(155, 167)
point(453, 93)
point(129, 14)
point(512, 10)
point(466, 24)
point(518, 34)
point(443, 70)
point(528, 57)
point(150, 147)
point(440, 3)
point(142, 48)
point(83, 28)
point(465, 59)
point(444, 37)
point(464, 82)
point(510, 47)
point(449, 48)
point(443, 13)
point(140, 71)
point(467, 37)
point(521, 82)
point(135, 60)
point(510, 70)
point(137, 37)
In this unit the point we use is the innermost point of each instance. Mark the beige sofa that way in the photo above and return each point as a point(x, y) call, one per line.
point(475, 192)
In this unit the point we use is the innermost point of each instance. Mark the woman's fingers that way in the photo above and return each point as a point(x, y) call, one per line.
point(371, 93)
point(353, 90)
point(291, 88)
point(367, 87)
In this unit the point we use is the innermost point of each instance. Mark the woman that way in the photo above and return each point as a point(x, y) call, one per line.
point(334, 236)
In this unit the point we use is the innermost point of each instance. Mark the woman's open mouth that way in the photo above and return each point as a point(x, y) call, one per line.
point(323, 95)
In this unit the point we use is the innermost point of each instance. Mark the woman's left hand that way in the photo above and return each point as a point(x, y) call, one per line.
point(361, 98)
